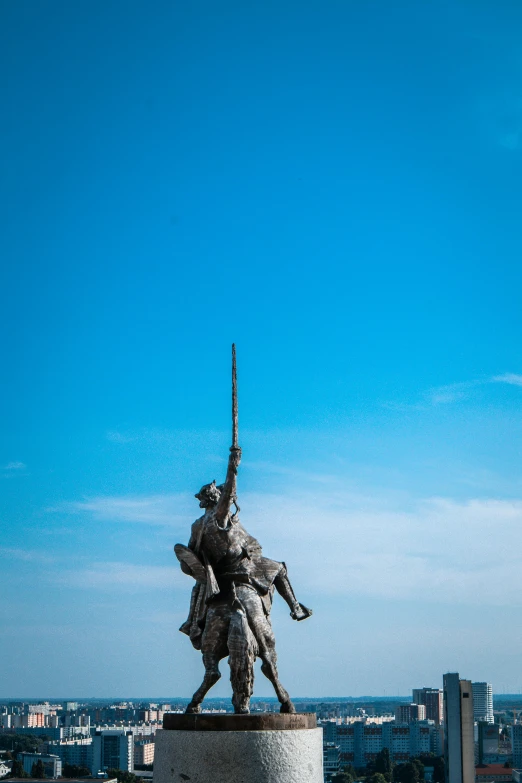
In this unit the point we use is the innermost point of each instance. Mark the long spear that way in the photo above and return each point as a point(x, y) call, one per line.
point(234, 398)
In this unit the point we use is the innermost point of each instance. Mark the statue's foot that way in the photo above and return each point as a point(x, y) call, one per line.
point(287, 707)
point(241, 705)
point(193, 708)
point(300, 612)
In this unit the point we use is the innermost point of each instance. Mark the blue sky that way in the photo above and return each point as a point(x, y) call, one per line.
point(336, 187)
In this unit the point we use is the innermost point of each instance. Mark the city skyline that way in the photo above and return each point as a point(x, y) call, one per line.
point(336, 188)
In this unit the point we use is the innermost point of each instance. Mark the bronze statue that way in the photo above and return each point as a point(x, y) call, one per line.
point(231, 601)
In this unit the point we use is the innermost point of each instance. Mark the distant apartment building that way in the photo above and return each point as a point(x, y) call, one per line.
point(75, 719)
point(32, 720)
point(483, 702)
point(52, 764)
point(137, 729)
point(516, 745)
point(143, 751)
point(432, 700)
point(43, 709)
point(58, 733)
point(360, 741)
point(407, 713)
point(487, 742)
point(73, 751)
point(112, 749)
point(459, 745)
point(331, 760)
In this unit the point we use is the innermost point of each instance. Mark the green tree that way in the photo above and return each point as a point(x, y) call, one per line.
point(38, 769)
point(407, 773)
point(377, 777)
point(383, 764)
point(420, 766)
point(19, 742)
point(17, 770)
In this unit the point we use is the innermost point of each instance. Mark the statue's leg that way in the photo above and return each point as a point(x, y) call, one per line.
point(214, 648)
point(265, 638)
point(242, 650)
point(212, 675)
point(284, 588)
point(269, 669)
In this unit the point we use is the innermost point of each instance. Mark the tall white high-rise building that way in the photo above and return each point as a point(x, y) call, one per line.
point(459, 745)
point(483, 702)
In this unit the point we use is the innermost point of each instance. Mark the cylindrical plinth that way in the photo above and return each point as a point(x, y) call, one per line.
point(263, 748)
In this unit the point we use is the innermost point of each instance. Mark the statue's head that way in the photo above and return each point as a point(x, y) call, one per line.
point(208, 495)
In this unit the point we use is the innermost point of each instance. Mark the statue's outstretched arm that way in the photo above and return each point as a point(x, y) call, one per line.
point(228, 493)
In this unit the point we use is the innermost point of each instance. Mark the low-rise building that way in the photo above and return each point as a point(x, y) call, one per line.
point(493, 773)
point(52, 763)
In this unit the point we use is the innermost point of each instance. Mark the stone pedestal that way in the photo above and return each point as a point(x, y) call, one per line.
point(261, 748)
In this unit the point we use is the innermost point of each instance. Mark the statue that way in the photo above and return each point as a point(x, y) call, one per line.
point(232, 598)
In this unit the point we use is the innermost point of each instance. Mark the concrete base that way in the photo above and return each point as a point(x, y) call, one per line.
point(245, 755)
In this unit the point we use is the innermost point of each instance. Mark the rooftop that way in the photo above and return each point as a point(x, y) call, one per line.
point(492, 769)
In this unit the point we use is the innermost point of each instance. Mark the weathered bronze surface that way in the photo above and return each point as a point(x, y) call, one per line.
point(266, 721)
point(232, 598)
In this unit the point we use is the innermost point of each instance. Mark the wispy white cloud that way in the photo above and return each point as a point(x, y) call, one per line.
point(28, 555)
point(15, 466)
point(110, 575)
point(438, 549)
point(509, 377)
point(152, 509)
point(352, 544)
point(454, 392)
